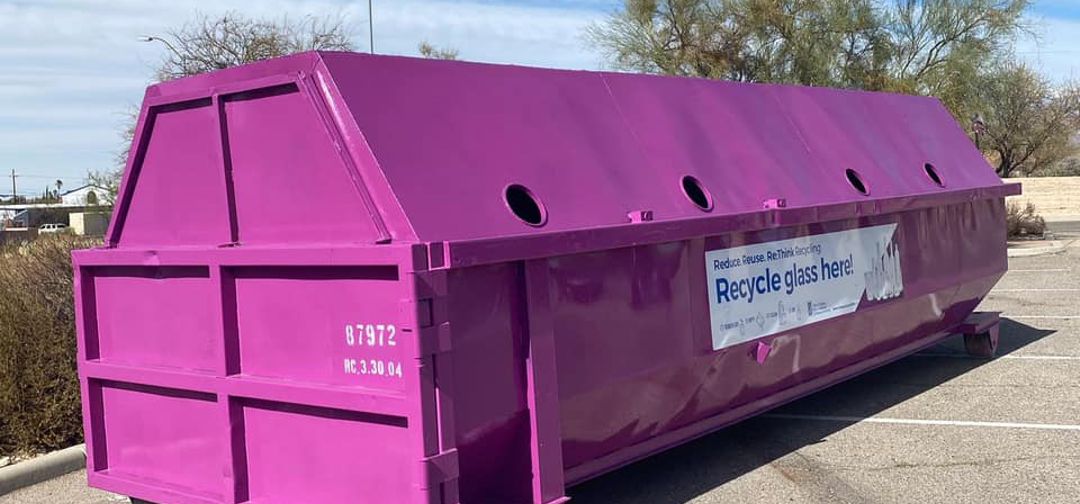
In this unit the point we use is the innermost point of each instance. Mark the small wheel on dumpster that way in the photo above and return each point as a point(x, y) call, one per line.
point(982, 344)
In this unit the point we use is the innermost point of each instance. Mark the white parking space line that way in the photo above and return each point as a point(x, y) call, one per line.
point(1016, 357)
point(912, 421)
point(1041, 357)
point(1061, 317)
point(1065, 270)
point(1035, 290)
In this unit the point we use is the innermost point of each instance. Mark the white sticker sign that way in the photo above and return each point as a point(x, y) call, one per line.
point(767, 288)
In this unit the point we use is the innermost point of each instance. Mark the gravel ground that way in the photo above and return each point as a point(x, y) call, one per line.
point(69, 489)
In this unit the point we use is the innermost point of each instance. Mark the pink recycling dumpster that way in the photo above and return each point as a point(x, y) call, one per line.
point(337, 277)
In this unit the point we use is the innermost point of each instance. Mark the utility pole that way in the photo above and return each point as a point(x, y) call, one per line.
point(371, 28)
point(14, 190)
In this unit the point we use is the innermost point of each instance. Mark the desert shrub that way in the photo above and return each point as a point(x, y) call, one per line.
point(39, 387)
point(1023, 221)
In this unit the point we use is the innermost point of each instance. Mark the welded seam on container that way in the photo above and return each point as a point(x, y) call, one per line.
point(225, 151)
point(791, 122)
point(140, 142)
point(334, 129)
point(622, 118)
point(347, 126)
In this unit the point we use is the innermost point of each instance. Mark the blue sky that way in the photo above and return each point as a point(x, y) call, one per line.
point(69, 69)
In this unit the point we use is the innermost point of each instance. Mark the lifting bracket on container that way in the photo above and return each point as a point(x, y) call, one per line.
point(441, 468)
point(981, 330)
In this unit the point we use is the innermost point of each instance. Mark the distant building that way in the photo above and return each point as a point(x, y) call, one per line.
point(7, 215)
point(88, 201)
point(36, 214)
point(87, 195)
point(89, 223)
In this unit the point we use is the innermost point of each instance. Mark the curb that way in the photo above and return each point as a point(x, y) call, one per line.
point(1054, 247)
point(45, 467)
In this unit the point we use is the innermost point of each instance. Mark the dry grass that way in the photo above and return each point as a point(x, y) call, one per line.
point(39, 388)
point(1022, 221)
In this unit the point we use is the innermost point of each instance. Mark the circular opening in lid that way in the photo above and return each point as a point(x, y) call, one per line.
point(696, 193)
point(856, 182)
point(931, 172)
point(524, 205)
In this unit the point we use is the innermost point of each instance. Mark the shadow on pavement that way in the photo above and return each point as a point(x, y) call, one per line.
point(688, 471)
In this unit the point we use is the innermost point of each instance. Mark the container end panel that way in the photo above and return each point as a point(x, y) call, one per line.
point(239, 376)
point(163, 437)
point(156, 316)
point(278, 150)
point(306, 454)
point(325, 325)
point(178, 197)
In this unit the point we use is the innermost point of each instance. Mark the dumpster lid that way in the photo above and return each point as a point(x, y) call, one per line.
point(355, 148)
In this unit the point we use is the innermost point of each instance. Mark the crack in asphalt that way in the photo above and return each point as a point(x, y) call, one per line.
point(946, 465)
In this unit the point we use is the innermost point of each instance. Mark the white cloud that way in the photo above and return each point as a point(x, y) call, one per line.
point(70, 68)
point(492, 33)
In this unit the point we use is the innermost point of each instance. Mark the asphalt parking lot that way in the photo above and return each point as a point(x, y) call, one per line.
point(938, 426)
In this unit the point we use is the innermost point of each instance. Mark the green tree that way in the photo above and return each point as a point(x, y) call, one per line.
point(939, 46)
point(951, 49)
point(1029, 123)
point(912, 45)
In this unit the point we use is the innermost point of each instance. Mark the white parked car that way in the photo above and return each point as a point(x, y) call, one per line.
point(52, 228)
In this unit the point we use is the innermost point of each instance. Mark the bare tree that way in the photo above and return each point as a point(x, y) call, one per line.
point(213, 43)
point(109, 180)
point(207, 43)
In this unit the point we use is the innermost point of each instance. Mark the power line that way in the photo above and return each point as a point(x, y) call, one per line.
point(49, 177)
point(1055, 51)
point(43, 176)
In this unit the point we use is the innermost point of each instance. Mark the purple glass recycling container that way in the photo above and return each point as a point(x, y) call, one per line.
point(337, 277)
